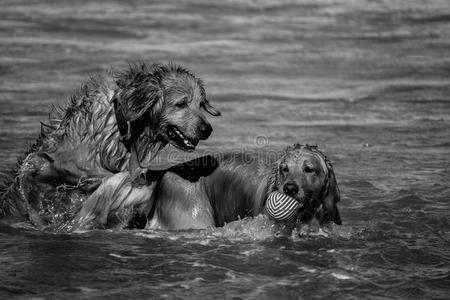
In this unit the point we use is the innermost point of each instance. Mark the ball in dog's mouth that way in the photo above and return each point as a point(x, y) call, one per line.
point(281, 207)
point(179, 139)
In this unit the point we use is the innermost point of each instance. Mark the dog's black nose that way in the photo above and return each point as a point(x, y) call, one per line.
point(290, 189)
point(205, 130)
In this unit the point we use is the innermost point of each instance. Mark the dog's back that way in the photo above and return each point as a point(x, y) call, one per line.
point(235, 188)
point(87, 132)
point(238, 187)
point(78, 147)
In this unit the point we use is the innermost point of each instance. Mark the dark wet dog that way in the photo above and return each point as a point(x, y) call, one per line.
point(113, 126)
point(222, 189)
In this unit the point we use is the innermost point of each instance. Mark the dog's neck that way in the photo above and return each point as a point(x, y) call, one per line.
point(140, 137)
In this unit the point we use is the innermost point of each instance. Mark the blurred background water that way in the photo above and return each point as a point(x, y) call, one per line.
point(368, 81)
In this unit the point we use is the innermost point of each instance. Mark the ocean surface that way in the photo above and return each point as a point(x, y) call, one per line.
point(367, 81)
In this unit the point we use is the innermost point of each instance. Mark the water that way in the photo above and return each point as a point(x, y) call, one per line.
point(365, 80)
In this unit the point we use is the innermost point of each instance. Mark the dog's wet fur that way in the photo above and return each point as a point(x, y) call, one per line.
point(236, 185)
point(114, 124)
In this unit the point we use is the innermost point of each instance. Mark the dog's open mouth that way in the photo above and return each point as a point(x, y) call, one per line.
point(180, 140)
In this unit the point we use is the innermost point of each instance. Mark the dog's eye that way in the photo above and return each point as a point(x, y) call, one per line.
point(308, 169)
point(284, 169)
point(182, 103)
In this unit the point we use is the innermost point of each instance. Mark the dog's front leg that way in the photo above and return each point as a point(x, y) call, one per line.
point(116, 198)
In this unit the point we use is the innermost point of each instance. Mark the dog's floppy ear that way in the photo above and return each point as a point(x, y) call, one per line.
point(331, 197)
point(274, 179)
point(210, 109)
point(135, 97)
point(138, 91)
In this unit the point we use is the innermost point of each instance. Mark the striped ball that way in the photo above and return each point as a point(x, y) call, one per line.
point(281, 207)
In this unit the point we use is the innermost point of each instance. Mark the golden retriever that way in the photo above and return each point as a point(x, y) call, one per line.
point(223, 188)
point(114, 126)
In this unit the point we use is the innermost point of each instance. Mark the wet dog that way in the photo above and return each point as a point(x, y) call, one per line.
point(114, 126)
point(221, 189)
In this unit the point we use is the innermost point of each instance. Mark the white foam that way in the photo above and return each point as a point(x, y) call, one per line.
point(341, 276)
point(252, 252)
point(259, 228)
point(118, 256)
point(306, 269)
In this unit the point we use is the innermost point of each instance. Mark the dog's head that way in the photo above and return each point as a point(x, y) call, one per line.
point(304, 173)
point(161, 103)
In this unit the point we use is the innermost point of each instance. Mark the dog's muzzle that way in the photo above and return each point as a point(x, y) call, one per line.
point(205, 131)
point(290, 189)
